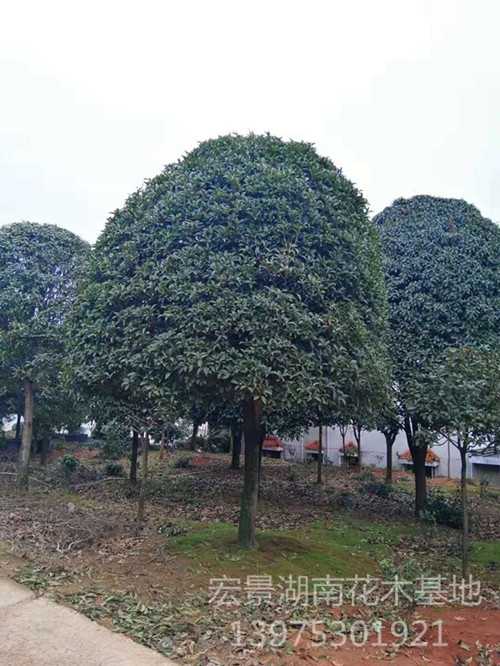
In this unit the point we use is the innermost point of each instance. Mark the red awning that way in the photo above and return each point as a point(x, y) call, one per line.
point(271, 442)
point(430, 458)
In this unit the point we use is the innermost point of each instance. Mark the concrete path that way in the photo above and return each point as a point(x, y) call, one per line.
point(38, 632)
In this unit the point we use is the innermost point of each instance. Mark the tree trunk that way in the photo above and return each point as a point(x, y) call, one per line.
point(356, 428)
point(320, 455)
point(261, 442)
point(144, 477)
point(133, 457)
point(419, 454)
point(25, 449)
point(194, 435)
point(343, 432)
point(18, 428)
point(236, 445)
point(465, 512)
point(162, 446)
point(249, 496)
point(389, 441)
point(44, 450)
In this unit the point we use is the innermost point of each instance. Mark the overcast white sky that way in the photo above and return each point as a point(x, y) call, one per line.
point(404, 95)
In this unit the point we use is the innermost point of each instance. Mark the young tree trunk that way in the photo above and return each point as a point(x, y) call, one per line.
point(343, 432)
point(162, 446)
point(320, 455)
point(44, 450)
point(389, 441)
point(194, 435)
point(465, 512)
point(25, 449)
point(18, 428)
point(144, 477)
point(133, 457)
point(249, 496)
point(357, 436)
point(261, 443)
point(236, 445)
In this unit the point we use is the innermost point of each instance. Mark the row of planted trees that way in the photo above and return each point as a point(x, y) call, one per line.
point(247, 281)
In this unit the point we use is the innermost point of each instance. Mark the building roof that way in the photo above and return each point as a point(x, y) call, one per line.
point(272, 442)
point(430, 458)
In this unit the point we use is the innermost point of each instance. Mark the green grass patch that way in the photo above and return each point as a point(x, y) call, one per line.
point(486, 556)
point(342, 548)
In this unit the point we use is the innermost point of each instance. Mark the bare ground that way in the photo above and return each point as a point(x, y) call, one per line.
point(77, 541)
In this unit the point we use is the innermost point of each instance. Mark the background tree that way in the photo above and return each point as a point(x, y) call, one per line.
point(246, 273)
point(343, 426)
point(236, 439)
point(11, 403)
point(389, 424)
point(39, 265)
point(58, 407)
point(319, 475)
point(462, 401)
point(442, 266)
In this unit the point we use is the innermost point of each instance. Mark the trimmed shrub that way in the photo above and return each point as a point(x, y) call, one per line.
point(116, 441)
point(69, 464)
point(113, 468)
point(219, 443)
point(374, 487)
point(183, 463)
point(443, 509)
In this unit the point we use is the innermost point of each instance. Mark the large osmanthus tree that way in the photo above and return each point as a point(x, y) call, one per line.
point(442, 267)
point(39, 266)
point(247, 273)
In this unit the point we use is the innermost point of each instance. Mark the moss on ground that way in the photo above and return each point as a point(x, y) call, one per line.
point(486, 557)
point(343, 548)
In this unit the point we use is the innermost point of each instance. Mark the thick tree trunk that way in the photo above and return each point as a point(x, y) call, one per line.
point(249, 496)
point(133, 457)
point(465, 512)
point(44, 450)
point(320, 455)
point(236, 445)
point(194, 435)
point(419, 455)
point(25, 449)
point(389, 441)
point(144, 477)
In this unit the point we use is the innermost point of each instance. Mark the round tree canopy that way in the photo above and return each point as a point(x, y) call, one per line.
point(247, 268)
point(442, 268)
point(39, 264)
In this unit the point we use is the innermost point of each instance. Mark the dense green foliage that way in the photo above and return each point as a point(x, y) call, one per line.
point(247, 268)
point(39, 265)
point(461, 397)
point(247, 274)
point(442, 267)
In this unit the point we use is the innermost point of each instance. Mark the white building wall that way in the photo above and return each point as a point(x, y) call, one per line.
point(373, 450)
